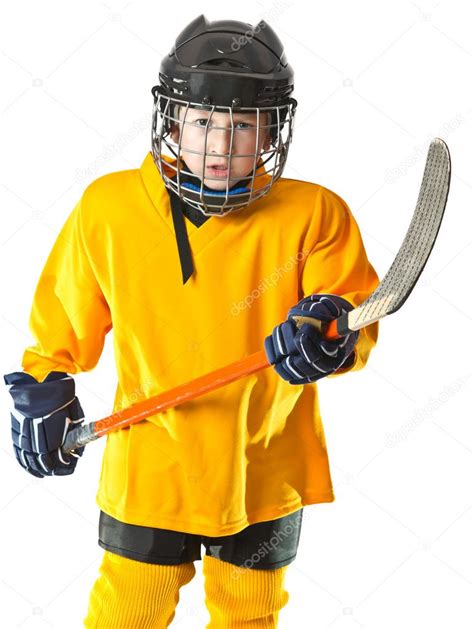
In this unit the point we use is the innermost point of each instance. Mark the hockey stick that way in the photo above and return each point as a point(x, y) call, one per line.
point(387, 298)
point(411, 258)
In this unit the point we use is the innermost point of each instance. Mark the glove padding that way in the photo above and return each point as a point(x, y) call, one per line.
point(302, 355)
point(43, 414)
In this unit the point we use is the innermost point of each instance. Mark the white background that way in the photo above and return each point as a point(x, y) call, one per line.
point(375, 81)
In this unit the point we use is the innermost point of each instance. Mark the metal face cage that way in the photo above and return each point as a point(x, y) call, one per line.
point(264, 166)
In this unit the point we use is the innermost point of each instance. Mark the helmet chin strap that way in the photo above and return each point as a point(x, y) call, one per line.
point(233, 190)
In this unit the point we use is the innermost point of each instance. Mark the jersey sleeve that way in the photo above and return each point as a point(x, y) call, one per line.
point(337, 264)
point(69, 315)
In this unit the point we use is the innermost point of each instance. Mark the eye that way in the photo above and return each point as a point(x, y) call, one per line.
point(201, 122)
point(246, 125)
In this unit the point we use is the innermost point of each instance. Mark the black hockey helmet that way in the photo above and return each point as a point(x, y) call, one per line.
point(225, 66)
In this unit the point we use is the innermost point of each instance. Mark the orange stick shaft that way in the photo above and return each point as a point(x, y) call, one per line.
point(173, 397)
point(183, 392)
point(191, 389)
point(331, 330)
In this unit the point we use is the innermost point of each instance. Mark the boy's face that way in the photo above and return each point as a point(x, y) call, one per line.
point(193, 138)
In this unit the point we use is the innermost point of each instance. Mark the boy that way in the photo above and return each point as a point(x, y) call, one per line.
point(232, 469)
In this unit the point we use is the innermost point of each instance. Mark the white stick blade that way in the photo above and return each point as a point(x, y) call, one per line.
point(416, 247)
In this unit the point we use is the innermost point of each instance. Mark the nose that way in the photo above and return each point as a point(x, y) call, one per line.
point(218, 141)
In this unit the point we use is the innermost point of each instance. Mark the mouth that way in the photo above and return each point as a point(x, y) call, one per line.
point(218, 170)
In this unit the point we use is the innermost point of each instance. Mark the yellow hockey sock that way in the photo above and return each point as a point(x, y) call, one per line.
point(242, 598)
point(132, 594)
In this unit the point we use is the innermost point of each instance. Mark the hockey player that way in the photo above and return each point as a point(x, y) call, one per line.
point(197, 259)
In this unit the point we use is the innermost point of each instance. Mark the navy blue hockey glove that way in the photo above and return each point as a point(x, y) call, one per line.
point(302, 355)
point(43, 414)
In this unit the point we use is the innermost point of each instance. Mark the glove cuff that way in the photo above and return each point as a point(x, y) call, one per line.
point(323, 306)
point(37, 399)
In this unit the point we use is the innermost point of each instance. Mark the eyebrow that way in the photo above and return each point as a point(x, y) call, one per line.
point(235, 114)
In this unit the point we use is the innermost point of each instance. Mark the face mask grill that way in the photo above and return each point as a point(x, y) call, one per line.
point(198, 129)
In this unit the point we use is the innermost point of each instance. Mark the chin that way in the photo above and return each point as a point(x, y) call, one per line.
point(216, 185)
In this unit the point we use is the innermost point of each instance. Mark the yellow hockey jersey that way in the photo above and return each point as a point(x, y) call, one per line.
point(248, 452)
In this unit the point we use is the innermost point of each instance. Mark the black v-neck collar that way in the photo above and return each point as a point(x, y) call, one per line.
point(182, 241)
point(198, 237)
point(179, 209)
